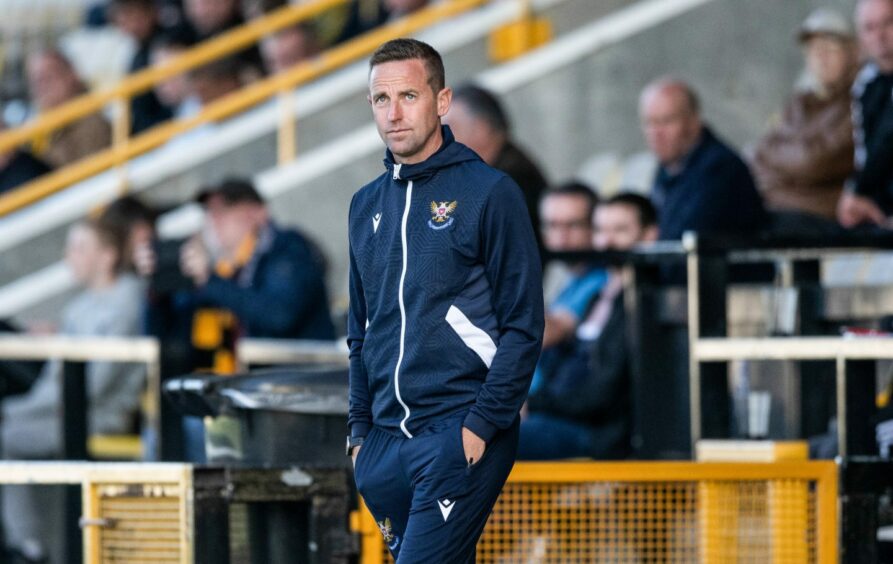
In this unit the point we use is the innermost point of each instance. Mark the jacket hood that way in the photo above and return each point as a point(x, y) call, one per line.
point(451, 152)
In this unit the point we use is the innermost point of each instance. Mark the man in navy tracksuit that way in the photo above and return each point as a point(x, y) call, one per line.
point(445, 323)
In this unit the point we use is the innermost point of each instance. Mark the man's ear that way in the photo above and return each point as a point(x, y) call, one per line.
point(444, 99)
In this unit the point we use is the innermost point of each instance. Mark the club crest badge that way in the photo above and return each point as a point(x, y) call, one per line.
point(440, 214)
point(387, 532)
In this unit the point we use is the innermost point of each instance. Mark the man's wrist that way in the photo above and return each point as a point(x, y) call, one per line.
point(353, 443)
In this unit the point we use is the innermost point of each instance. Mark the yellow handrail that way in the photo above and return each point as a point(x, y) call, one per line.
point(232, 104)
point(224, 44)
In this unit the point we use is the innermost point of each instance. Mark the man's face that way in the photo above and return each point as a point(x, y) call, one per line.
point(137, 21)
point(565, 223)
point(617, 227)
point(174, 90)
point(829, 59)
point(232, 223)
point(469, 130)
point(50, 81)
point(287, 49)
point(874, 19)
point(406, 110)
point(669, 125)
point(210, 15)
point(85, 255)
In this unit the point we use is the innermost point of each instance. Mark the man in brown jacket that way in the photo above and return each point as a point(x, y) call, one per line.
point(53, 81)
point(802, 163)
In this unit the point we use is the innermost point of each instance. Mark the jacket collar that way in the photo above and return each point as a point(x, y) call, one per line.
point(450, 152)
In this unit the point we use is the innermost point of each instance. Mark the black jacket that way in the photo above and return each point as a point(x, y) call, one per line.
point(713, 193)
point(873, 131)
point(589, 382)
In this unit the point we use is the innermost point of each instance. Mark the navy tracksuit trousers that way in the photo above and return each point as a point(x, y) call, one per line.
point(430, 505)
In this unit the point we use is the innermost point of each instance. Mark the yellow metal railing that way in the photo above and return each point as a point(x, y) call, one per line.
point(126, 148)
point(669, 512)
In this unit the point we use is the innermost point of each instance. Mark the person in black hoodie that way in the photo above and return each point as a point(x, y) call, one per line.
point(445, 323)
point(579, 403)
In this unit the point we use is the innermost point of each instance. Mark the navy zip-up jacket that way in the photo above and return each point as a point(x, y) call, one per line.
point(446, 301)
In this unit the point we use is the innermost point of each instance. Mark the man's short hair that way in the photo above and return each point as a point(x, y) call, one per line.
point(405, 49)
point(643, 206)
point(483, 105)
point(574, 188)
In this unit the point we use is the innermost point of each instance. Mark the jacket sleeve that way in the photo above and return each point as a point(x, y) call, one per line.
point(360, 399)
point(279, 302)
point(512, 265)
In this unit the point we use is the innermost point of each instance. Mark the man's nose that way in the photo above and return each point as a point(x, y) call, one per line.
point(395, 112)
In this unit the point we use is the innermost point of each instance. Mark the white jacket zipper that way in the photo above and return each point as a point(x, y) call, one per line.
point(402, 305)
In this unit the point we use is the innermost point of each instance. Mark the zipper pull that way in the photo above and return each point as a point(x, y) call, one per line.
point(397, 171)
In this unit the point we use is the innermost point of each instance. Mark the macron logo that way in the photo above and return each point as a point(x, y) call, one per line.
point(376, 219)
point(446, 506)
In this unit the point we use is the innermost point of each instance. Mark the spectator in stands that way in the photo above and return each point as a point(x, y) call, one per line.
point(284, 49)
point(868, 197)
point(18, 167)
point(216, 80)
point(133, 218)
point(139, 20)
point(362, 16)
point(248, 278)
point(566, 220)
point(208, 18)
point(701, 185)
point(175, 92)
point(271, 279)
point(479, 121)
point(803, 162)
point(579, 403)
point(109, 305)
point(53, 81)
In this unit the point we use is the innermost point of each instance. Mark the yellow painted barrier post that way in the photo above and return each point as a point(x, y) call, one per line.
point(789, 521)
point(287, 135)
point(120, 139)
point(514, 39)
point(718, 525)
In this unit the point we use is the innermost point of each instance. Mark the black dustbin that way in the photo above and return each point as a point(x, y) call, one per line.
point(290, 416)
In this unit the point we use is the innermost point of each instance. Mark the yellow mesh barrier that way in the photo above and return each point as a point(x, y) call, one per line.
point(658, 513)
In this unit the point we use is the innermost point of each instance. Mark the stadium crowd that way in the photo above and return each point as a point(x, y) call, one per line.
point(826, 166)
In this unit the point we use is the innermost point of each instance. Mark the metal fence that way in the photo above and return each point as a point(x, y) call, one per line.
point(669, 512)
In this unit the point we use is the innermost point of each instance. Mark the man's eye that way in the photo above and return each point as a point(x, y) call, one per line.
point(410, 96)
point(380, 99)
